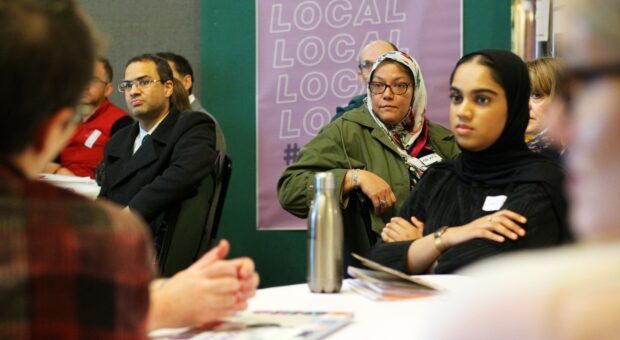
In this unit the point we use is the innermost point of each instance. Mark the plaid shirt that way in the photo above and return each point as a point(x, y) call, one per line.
point(69, 268)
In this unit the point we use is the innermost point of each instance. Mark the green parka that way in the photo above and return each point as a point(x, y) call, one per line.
point(354, 141)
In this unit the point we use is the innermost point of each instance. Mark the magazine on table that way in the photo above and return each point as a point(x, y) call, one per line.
point(383, 283)
point(307, 325)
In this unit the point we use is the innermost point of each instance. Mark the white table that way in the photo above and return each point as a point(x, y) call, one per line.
point(373, 319)
point(84, 186)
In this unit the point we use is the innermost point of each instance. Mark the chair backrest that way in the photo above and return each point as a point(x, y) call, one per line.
point(197, 221)
point(224, 165)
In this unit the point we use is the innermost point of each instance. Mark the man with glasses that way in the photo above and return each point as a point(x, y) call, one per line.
point(367, 57)
point(153, 165)
point(100, 119)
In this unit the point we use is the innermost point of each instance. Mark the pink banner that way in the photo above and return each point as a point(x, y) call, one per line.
point(307, 56)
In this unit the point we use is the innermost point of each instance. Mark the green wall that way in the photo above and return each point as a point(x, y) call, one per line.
point(486, 24)
point(228, 67)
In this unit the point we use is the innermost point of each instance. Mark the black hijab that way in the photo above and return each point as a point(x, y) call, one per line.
point(508, 160)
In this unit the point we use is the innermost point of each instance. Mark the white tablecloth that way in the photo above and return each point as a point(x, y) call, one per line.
point(373, 319)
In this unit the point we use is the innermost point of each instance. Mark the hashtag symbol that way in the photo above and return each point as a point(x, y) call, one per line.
point(290, 153)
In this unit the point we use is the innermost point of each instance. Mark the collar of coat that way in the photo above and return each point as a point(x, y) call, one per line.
point(120, 146)
point(361, 116)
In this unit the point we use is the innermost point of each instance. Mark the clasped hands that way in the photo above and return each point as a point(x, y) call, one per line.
point(209, 289)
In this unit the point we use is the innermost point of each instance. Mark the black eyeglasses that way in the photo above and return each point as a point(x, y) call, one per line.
point(126, 85)
point(379, 88)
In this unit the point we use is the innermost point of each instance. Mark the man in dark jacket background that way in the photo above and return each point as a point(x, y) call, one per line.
point(159, 161)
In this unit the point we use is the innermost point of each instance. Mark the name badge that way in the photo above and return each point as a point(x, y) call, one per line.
point(90, 141)
point(494, 203)
point(430, 159)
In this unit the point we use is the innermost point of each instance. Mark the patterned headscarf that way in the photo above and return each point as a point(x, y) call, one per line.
point(405, 132)
point(410, 127)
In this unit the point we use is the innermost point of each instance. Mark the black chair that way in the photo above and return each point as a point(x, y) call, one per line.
point(198, 220)
point(224, 165)
point(356, 240)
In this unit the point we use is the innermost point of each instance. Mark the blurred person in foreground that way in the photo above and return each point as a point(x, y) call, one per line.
point(70, 267)
point(571, 292)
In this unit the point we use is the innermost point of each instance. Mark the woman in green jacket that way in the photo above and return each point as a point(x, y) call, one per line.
point(376, 152)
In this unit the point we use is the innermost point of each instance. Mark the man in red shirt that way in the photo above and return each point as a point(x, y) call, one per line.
point(100, 119)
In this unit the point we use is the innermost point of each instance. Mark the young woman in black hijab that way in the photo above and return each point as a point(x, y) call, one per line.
point(497, 196)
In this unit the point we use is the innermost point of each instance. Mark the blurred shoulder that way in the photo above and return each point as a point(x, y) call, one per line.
point(575, 286)
point(559, 264)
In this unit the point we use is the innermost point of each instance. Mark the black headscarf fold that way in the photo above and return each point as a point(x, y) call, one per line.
point(508, 160)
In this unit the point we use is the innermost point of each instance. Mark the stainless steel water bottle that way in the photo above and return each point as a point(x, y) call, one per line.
point(325, 237)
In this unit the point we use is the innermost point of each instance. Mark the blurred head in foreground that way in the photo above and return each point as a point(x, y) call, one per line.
point(593, 88)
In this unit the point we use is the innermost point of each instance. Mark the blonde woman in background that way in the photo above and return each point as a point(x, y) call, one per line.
point(544, 77)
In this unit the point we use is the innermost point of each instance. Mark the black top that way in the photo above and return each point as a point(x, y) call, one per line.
point(453, 193)
point(442, 199)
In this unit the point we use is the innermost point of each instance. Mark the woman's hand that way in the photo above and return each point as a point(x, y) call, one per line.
point(495, 227)
point(399, 229)
point(377, 190)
